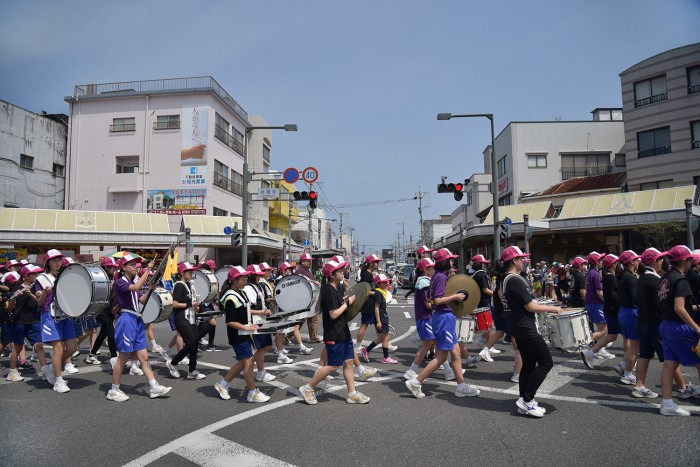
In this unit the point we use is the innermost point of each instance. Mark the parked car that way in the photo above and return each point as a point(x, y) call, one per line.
point(406, 275)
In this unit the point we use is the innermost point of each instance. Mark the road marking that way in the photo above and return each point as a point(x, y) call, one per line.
point(212, 450)
point(407, 314)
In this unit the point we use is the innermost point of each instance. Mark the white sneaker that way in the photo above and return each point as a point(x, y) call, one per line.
point(158, 391)
point(75, 354)
point(308, 394)
point(284, 351)
point(61, 387)
point(196, 375)
point(620, 368)
point(675, 410)
point(70, 369)
point(172, 369)
point(283, 359)
point(264, 377)
point(357, 398)
point(305, 351)
point(467, 391)
point(449, 375)
point(135, 371)
point(515, 378)
point(223, 392)
point(471, 362)
point(415, 387)
point(117, 395)
point(392, 348)
point(204, 341)
point(494, 351)
point(366, 374)
point(410, 375)
point(631, 380)
point(587, 357)
point(485, 356)
point(160, 351)
point(184, 361)
point(529, 409)
point(689, 391)
point(604, 354)
point(14, 376)
point(92, 360)
point(644, 392)
point(258, 396)
point(48, 372)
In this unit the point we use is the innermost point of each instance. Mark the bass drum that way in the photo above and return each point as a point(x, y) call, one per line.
point(206, 285)
point(159, 306)
point(221, 275)
point(82, 290)
point(569, 331)
point(295, 293)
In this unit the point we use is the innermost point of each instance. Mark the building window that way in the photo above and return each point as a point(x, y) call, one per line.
point(620, 160)
point(656, 185)
point(502, 169)
point(649, 91)
point(127, 164)
point(584, 165)
point(506, 200)
point(220, 212)
point(26, 162)
point(221, 122)
point(695, 134)
point(266, 155)
point(123, 124)
point(266, 225)
point(233, 141)
point(694, 80)
point(469, 198)
point(59, 170)
point(654, 142)
point(536, 161)
point(167, 122)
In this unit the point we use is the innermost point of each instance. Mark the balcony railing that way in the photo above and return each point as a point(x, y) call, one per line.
point(651, 100)
point(171, 125)
point(571, 172)
point(228, 139)
point(693, 89)
point(227, 184)
point(122, 127)
point(654, 152)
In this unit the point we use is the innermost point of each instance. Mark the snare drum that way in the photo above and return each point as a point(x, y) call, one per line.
point(82, 290)
point(206, 285)
point(484, 321)
point(465, 328)
point(296, 293)
point(159, 306)
point(569, 331)
point(221, 275)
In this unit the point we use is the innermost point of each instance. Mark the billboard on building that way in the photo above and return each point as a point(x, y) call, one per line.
point(193, 150)
point(185, 201)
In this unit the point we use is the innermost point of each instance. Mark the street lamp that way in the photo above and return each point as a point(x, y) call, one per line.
point(494, 177)
point(246, 176)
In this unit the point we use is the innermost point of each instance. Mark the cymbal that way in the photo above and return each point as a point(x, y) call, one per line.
point(464, 284)
point(361, 292)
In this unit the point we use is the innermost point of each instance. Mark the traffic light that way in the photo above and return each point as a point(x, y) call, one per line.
point(237, 238)
point(312, 199)
point(455, 188)
point(310, 196)
point(504, 228)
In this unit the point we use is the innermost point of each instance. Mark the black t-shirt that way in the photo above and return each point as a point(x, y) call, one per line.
point(181, 294)
point(26, 309)
point(627, 289)
point(694, 281)
point(648, 297)
point(612, 301)
point(673, 285)
point(498, 311)
point(579, 284)
point(381, 301)
point(368, 307)
point(516, 295)
point(335, 330)
point(483, 282)
point(234, 304)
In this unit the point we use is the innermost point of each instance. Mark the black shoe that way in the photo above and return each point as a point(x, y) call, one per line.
point(26, 366)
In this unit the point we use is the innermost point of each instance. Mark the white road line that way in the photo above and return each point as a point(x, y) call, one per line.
point(561, 375)
point(208, 449)
point(407, 314)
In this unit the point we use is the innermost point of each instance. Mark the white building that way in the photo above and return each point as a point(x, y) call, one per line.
point(32, 158)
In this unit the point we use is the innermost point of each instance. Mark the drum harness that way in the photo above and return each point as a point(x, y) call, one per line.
point(190, 314)
point(50, 281)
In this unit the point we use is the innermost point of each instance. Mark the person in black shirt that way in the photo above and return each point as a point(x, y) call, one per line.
point(693, 276)
point(487, 338)
point(368, 269)
point(610, 310)
point(578, 288)
point(520, 309)
point(627, 316)
point(679, 332)
point(381, 282)
point(336, 334)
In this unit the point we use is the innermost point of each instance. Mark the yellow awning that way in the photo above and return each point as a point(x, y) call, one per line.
point(82, 221)
point(211, 225)
point(536, 211)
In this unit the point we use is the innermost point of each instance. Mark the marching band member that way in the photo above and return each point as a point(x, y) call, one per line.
point(423, 314)
point(129, 331)
point(57, 331)
point(381, 318)
point(578, 283)
point(7, 283)
point(209, 326)
point(422, 252)
point(679, 331)
point(369, 266)
point(611, 308)
point(627, 316)
point(444, 329)
point(185, 307)
point(285, 269)
point(487, 338)
point(520, 308)
point(105, 317)
point(304, 269)
point(262, 342)
point(268, 291)
point(338, 341)
point(593, 297)
point(234, 301)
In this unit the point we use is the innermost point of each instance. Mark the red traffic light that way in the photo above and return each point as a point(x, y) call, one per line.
point(313, 195)
point(458, 187)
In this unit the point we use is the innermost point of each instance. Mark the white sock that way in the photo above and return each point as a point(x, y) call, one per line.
point(152, 383)
point(59, 379)
point(486, 349)
point(153, 343)
point(628, 374)
point(252, 392)
point(302, 346)
point(223, 383)
point(359, 369)
point(667, 403)
point(414, 368)
point(462, 385)
point(280, 353)
point(134, 363)
point(115, 387)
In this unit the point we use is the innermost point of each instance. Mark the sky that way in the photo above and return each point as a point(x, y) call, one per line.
point(363, 79)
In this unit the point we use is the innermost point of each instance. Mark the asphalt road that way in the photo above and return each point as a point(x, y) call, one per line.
point(591, 418)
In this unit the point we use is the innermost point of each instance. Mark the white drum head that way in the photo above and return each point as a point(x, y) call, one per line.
point(205, 284)
point(294, 293)
point(74, 290)
point(222, 274)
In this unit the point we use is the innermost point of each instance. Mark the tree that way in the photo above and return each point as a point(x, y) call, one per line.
point(661, 235)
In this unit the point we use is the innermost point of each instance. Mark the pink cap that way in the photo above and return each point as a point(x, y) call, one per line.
point(11, 277)
point(51, 254)
point(679, 253)
point(652, 254)
point(127, 258)
point(108, 261)
point(266, 267)
point(423, 249)
point(578, 261)
point(372, 259)
point(12, 262)
point(185, 266)
point(284, 266)
point(209, 263)
point(594, 257)
point(380, 279)
point(442, 254)
point(330, 267)
point(512, 252)
point(23, 262)
point(338, 259)
point(30, 269)
point(305, 257)
point(628, 256)
point(235, 272)
point(424, 264)
point(609, 260)
point(255, 269)
point(66, 261)
point(479, 259)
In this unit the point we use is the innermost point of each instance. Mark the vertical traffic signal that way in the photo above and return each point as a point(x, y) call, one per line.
point(236, 238)
point(312, 199)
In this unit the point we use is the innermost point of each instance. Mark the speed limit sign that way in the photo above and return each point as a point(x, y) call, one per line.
point(309, 174)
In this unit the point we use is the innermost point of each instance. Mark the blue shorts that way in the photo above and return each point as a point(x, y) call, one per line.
point(52, 330)
point(368, 319)
point(628, 322)
point(84, 324)
point(677, 339)
point(6, 333)
point(129, 333)
point(613, 324)
point(262, 340)
point(445, 330)
point(501, 324)
point(425, 329)
point(339, 352)
point(171, 320)
point(649, 341)
point(243, 350)
point(595, 313)
point(32, 332)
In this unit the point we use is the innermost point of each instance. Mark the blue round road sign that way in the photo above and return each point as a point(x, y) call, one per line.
point(228, 230)
point(307, 242)
point(291, 175)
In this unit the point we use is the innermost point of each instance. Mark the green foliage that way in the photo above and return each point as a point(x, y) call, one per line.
point(661, 235)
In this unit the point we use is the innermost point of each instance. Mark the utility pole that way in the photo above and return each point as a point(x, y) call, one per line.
point(341, 229)
point(311, 232)
point(420, 215)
